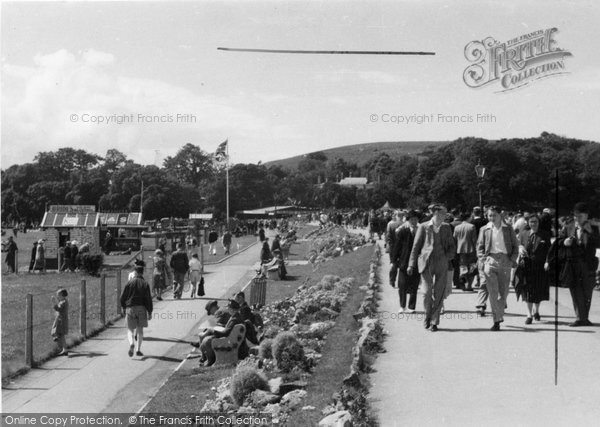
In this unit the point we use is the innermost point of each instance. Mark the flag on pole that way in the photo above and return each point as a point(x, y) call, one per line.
point(221, 153)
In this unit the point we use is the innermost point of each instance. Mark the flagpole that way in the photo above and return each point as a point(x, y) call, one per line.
point(227, 179)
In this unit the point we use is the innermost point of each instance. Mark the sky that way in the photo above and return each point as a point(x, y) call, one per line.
point(147, 78)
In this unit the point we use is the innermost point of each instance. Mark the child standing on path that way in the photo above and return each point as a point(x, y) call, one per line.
point(60, 327)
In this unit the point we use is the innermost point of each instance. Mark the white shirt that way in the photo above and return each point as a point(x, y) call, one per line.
point(498, 245)
point(195, 264)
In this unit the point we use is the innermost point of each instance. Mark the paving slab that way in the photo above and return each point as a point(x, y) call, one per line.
point(464, 374)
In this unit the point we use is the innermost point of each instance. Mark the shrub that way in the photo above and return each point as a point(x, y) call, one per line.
point(287, 351)
point(265, 349)
point(245, 381)
point(92, 263)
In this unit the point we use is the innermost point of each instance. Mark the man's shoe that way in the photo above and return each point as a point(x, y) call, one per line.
point(195, 344)
point(586, 322)
point(159, 298)
point(401, 310)
point(528, 321)
point(427, 323)
point(576, 324)
point(139, 353)
point(130, 352)
point(410, 310)
point(496, 326)
point(536, 316)
point(481, 313)
point(434, 328)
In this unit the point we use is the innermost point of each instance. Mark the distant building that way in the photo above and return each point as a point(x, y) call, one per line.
point(358, 182)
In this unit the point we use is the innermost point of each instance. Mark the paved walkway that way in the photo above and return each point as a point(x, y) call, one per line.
point(466, 375)
point(98, 376)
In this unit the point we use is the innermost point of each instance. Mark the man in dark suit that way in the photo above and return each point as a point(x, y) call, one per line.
point(585, 241)
point(433, 249)
point(465, 235)
point(497, 250)
point(180, 264)
point(400, 256)
point(390, 241)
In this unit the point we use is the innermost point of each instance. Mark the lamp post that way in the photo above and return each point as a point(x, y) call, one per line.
point(480, 171)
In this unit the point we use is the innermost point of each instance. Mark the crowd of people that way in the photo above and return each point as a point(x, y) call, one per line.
point(490, 250)
point(485, 251)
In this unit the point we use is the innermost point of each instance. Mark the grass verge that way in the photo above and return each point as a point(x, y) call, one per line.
point(191, 386)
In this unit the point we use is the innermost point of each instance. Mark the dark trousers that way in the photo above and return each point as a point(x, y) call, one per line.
point(581, 292)
point(456, 272)
point(408, 285)
point(393, 271)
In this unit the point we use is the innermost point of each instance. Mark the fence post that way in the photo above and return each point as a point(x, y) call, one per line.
point(29, 330)
point(103, 299)
point(119, 292)
point(82, 310)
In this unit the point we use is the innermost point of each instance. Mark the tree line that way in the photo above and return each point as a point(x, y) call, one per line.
point(519, 175)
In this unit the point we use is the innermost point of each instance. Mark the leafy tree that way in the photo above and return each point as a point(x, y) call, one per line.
point(58, 165)
point(114, 160)
point(191, 165)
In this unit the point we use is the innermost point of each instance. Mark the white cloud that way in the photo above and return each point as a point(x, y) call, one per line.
point(37, 113)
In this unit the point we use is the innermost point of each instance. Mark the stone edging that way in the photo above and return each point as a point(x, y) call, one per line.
point(340, 416)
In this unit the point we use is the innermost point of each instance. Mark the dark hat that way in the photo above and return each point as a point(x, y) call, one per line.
point(581, 207)
point(233, 304)
point(435, 207)
point(210, 305)
point(411, 214)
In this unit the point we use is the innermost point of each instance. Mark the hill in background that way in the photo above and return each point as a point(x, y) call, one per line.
point(362, 153)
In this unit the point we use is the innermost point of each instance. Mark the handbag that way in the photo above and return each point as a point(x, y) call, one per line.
point(200, 291)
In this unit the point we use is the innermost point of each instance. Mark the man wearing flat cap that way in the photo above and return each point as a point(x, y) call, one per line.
point(433, 248)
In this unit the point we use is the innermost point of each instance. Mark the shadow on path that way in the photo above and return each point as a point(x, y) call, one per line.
point(85, 354)
point(162, 358)
point(176, 340)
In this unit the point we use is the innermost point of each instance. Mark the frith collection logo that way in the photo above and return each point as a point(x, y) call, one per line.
point(516, 62)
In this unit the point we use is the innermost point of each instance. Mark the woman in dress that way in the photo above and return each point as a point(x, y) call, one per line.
point(159, 275)
point(40, 257)
point(533, 250)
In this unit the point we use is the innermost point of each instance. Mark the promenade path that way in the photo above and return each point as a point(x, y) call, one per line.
point(100, 377)
point(466, 375)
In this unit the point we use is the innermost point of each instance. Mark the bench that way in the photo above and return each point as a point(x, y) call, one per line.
point(227, 348)
point(270, 269)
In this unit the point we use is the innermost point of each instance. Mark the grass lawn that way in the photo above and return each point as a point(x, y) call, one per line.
point(24, 243)
point(43, 286)
point(190, 387)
